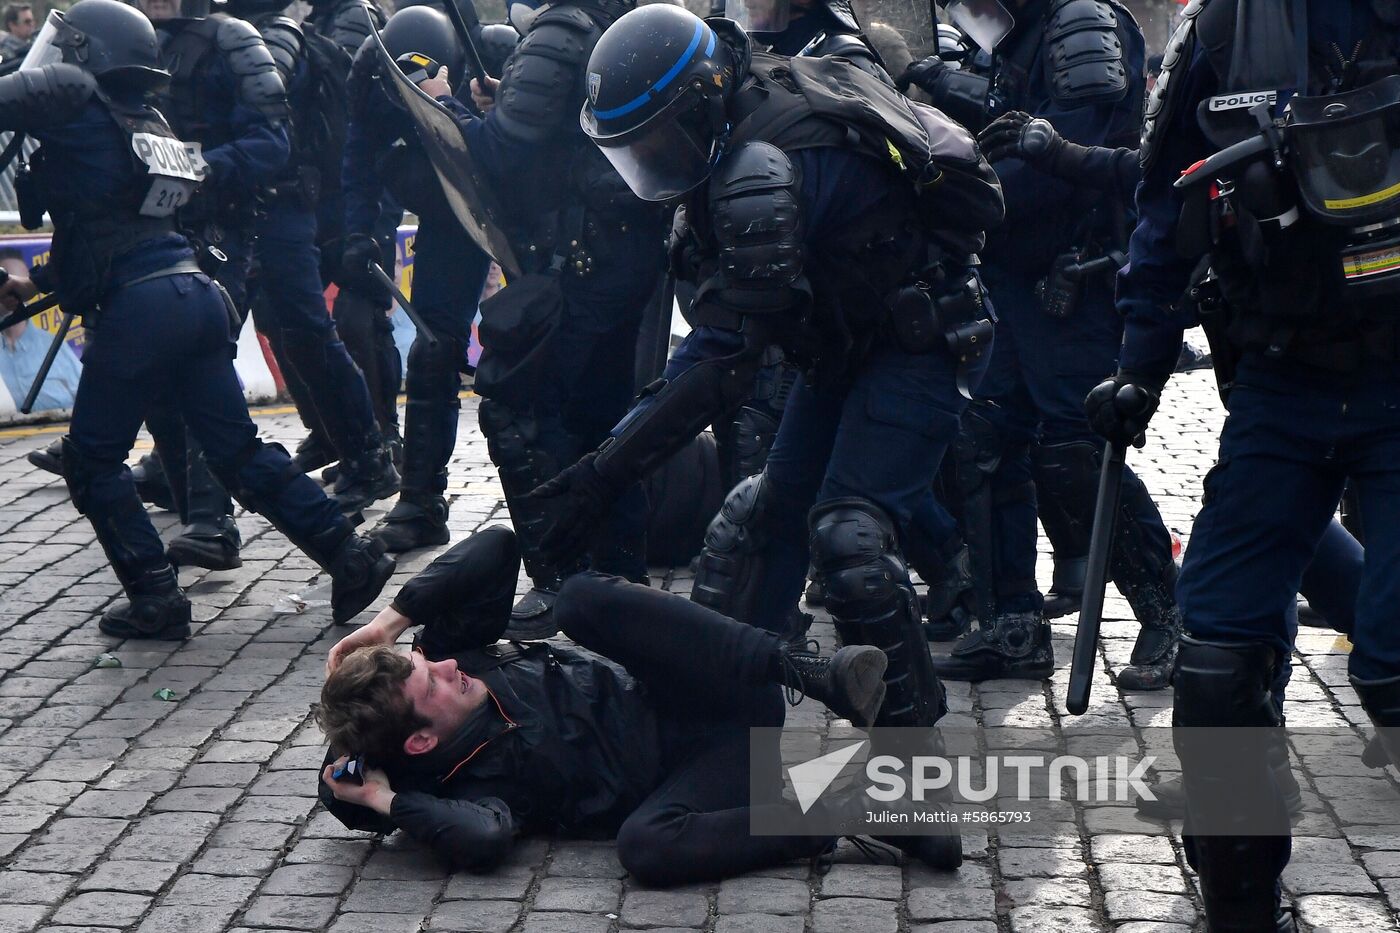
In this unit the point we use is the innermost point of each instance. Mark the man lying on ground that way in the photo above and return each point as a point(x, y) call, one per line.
point(471, 744)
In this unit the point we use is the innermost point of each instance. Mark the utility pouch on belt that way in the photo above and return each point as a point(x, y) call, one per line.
point(1059, 292)
point(924, 318)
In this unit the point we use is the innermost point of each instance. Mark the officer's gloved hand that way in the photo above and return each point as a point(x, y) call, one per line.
point(923, 74)
point(359, 251)
point(1119, 408)
point(1018, 135)
point(580, 497)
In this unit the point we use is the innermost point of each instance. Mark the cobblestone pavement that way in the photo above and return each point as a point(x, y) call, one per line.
point(121, 810)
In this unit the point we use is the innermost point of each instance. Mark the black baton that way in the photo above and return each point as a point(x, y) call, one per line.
point(1086, 639)
point(52, 355)
point(376, 270)
point(460, 23)
point(28, 311)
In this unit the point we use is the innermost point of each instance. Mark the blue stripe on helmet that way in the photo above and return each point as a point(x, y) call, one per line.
point(667, 78)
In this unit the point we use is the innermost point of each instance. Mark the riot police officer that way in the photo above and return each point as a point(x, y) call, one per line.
point(806, 27)
point(288, 305)
point(790, 241)
point(1025, 442)
point(111, 174)
point(594, 255)
point(383, 152)
point(361, 314)
point(225, 94)
point(1285, 232)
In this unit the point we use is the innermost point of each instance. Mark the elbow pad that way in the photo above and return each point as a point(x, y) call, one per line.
point(756, 221)
point(259, 86)
point(47, 96)
point(285, 41)
point(542, 83)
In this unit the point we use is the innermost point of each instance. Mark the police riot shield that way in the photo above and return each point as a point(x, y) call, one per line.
point(465, 188)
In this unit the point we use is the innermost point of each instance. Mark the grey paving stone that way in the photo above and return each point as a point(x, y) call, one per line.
point(1048, 892)
point(131, 877)
point(391, 897)
point(583, 860)
point(510, 885)
point(758, 923)
point(1132, 848)
point(1052, 920)
point(952, 904)
point(885, 882)
point(209, 891)
point(377, 923)
point(109, 803)
point(763, 895)
point(1329, 913)
point(578, 895)
point(647, 908)
point(327, 851)
point(33, 887)
point(102, 908)
point(854, 915)
point(1144, 905)
point(1134, 877)
point(473, 917)
point(20, 918)
point(57, 857)
point(565, 923)
point(188, 919)
point(246, 862)
point(1328, 878)
point(956, 926)
point(309, 880)
point(295, 913)
point(410, 864)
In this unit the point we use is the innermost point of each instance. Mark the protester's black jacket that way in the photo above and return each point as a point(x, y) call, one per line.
point(566, 742)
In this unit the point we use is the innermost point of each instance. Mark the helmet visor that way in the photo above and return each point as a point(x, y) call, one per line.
point(986, 22)
point(759, 15)
point(45, 49)
point(667, 155)
point(1346, 152)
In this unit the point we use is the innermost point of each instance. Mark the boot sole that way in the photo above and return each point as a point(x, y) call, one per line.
point(187, 554)
point(535, 628)
point(860, 677)
point(387, 535)
point(42, 460)
point(352, 604)
point(976, 677)
point(178, 632)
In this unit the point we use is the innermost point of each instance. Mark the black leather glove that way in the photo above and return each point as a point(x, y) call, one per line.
point(359, 251)
point(1120, 408)
point(922, 74)
point(580, 498)
point(1018, 135)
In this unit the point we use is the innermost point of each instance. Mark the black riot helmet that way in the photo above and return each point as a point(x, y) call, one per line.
point(658, 81)
point(422, 30)
point(111, 41)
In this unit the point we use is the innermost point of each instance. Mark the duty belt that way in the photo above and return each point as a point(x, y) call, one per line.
point(183, 267)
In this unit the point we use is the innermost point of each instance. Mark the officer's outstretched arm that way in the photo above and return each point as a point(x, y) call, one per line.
point(44, 97)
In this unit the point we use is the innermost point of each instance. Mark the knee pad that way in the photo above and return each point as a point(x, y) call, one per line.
point(854, 554)
point(730, 571)
point(512, 440)
point(1224, 684)
point(1066, 481)
point(433, 370)
point(78, 474)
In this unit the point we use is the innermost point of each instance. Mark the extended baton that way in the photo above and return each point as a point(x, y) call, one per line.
point(376, 270)
point(459, 22)
point(1086, 639)
point(52, 355)
point(28, 311)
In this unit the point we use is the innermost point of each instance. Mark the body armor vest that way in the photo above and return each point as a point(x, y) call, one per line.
point(89, 234)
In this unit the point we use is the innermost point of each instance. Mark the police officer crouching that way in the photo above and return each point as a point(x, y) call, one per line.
point(112, 174)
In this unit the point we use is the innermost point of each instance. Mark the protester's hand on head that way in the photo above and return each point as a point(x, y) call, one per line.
point(436, 86)
point(485, 98)
point(375, 793)
point(17, 289)
point(383, 629)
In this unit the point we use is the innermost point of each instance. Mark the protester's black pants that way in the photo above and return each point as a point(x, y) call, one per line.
point(712, 679)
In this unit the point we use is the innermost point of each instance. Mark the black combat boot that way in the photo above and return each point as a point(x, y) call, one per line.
point(1015, 646)
point(948, 606)
point(313, 453)
point(213, 545)
point(415, 521)
point(1066, 587)
point(1381, 700)
point(49, 459)
point(358, 568)
point(850, 683)
point(152, 485)
point(1150, 590)
point(364, 479)
point(155, 608)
